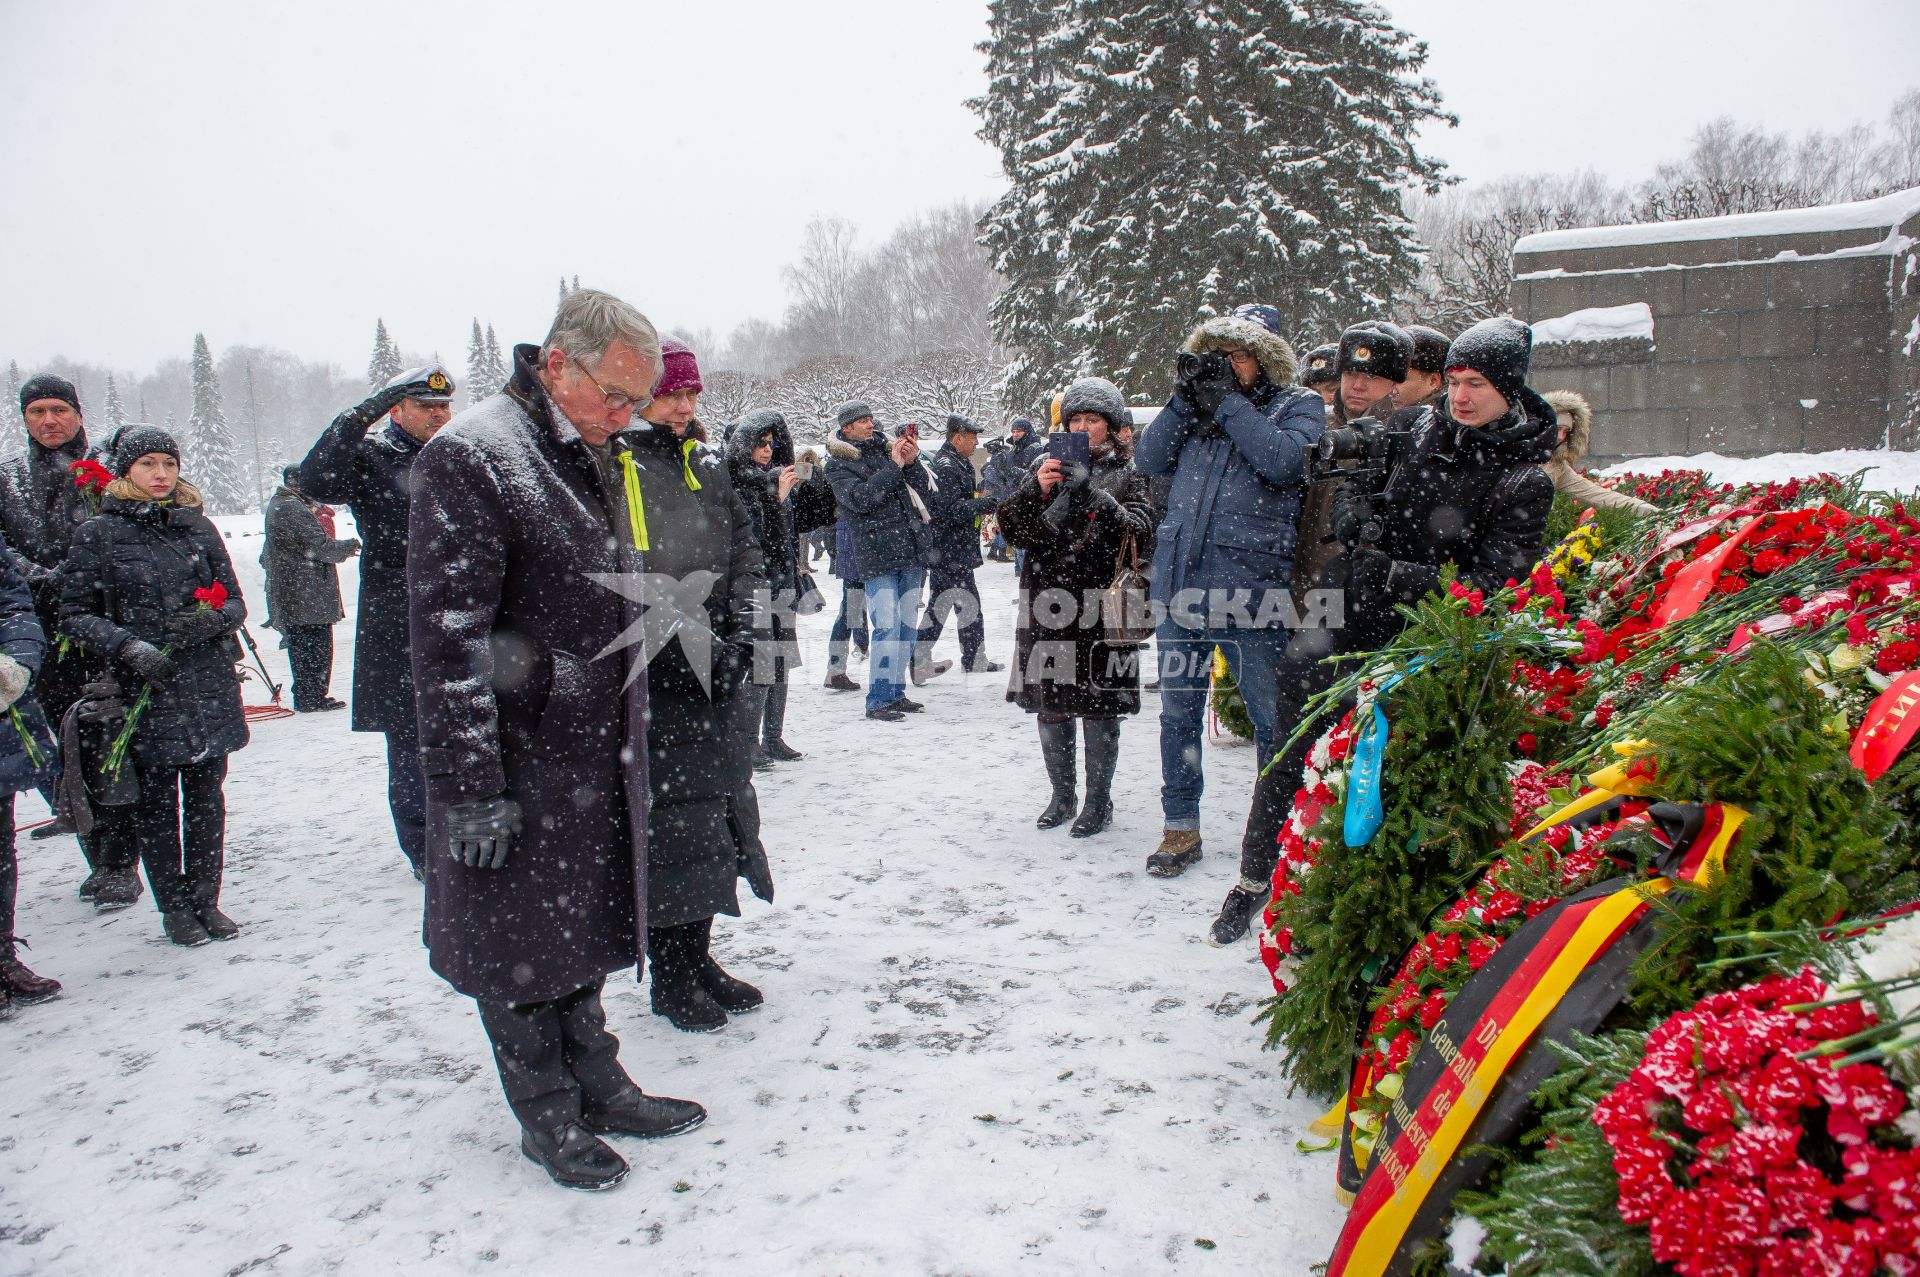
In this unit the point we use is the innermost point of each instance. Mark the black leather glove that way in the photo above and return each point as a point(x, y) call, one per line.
point(1346, 515)
point(1367, 573)
point(196, 625)
point(732, 663)
point(146, 660)
point(480, 833)
point(1212, 383)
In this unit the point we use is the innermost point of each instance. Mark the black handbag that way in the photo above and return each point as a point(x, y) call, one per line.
point(807, 599)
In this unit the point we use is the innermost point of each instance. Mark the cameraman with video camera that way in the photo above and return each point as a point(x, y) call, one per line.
point(1235, 438)
point(1461, 484)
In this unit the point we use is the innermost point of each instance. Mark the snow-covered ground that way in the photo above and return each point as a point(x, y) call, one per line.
point(985, 1048)
point(1889, 471)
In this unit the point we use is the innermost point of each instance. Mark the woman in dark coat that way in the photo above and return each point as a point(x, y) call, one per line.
point(1073, 530)
point(703, 830)
point(149, 586)
point(760, 459)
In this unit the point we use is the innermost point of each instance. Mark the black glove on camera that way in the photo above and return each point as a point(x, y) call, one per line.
point(480, 833)
point(1212, 383)
point(146, 660)
point(1367, 573)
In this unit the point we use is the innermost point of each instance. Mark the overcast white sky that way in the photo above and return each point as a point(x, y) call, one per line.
point(281, 175)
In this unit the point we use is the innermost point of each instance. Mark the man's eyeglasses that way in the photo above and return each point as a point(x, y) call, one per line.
point(617, 400)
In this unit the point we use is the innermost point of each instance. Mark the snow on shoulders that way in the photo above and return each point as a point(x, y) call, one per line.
point(1885, 213)
point(1597, 323)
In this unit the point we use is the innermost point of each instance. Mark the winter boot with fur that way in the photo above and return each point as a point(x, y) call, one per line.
point(1179, 851)
point(675, 957)
point(1103, 755)
point(1056, 747)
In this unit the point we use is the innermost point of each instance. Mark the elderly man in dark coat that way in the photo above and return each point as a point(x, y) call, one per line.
point(371, 472)
point(524, 585)
point(956, 504)
point(303, 589)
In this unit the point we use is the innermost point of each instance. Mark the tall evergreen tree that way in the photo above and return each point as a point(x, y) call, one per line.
point(476, 365)
point(13, 426)
point(259, 480)
point(385, 364)
point(497, 370)
point(1168, 161)
point(216, 467)
point(116, 411)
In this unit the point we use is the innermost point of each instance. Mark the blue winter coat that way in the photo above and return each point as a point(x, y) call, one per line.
point(885, 527)
point(21, 638)
point(1229, 522)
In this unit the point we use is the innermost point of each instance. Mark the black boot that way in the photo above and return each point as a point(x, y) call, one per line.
point(1056, 747)
point(574, 1157)
point(1236, 914)
point(676, 992)
point(651, 1117)
point(17, 984)
point(184, 929)
point(774, 726)
point(115, 889)
point(1103, 755)
point(733, 996)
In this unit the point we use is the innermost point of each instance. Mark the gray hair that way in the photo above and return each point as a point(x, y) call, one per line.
point(589, 321)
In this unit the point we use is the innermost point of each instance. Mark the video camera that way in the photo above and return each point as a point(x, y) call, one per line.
point(1371, 443)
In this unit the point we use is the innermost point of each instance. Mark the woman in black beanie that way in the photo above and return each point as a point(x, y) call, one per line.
point(150, 587)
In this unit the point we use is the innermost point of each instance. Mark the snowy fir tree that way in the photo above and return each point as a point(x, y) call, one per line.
point(497, 371)
point(476, 365)
point(216, 469)
point(385, 364)
point(13, 426)
point(1167, 162)
point(116, 411)
point(259, 480)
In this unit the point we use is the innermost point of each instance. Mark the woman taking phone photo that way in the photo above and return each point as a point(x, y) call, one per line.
point(1074, 520)
point(150, 586)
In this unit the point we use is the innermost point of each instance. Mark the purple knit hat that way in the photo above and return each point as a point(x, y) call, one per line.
point(679, 370)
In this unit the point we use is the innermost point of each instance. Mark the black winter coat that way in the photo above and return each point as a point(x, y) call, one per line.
point(519, 665)
point(1063, 664)
point(22, 638)
point(759, 489)
point(956, 511)
point(303, 581)
point(41, 508)
point(703, 832)
point(372, 475)
point(886, 529)
point(1473, 497)
point(134, 567)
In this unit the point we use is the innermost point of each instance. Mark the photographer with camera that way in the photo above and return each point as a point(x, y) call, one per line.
point(1368, 364)
point(1234, 437)
point(1461, 486)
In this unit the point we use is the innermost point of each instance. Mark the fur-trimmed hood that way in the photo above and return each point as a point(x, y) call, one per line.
point(1272, 350)
point(1575, 405)
point(750, 428)
point(842, 448)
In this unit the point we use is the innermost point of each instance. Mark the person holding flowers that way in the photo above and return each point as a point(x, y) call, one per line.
point(150, 588)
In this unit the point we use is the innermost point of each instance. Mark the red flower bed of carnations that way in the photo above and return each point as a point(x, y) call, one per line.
point(1742, 1158)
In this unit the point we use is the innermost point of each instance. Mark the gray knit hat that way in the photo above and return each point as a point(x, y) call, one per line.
point(1094, 394)
point(849, 412)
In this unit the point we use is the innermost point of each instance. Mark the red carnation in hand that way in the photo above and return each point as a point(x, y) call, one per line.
point(212, 597)
point(90, 476)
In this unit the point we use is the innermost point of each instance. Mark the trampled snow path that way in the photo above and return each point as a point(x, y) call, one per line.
point(985, 1048)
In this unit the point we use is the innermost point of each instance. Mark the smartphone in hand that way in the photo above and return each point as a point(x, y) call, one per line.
point(1069, 448)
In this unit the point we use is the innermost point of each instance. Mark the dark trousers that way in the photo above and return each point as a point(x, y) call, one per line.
point(310, 653)
point(9, 873)
point(554, 1057)
point(851, 621)
point(180, 823)
point(951, 588)
point(407, 794)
